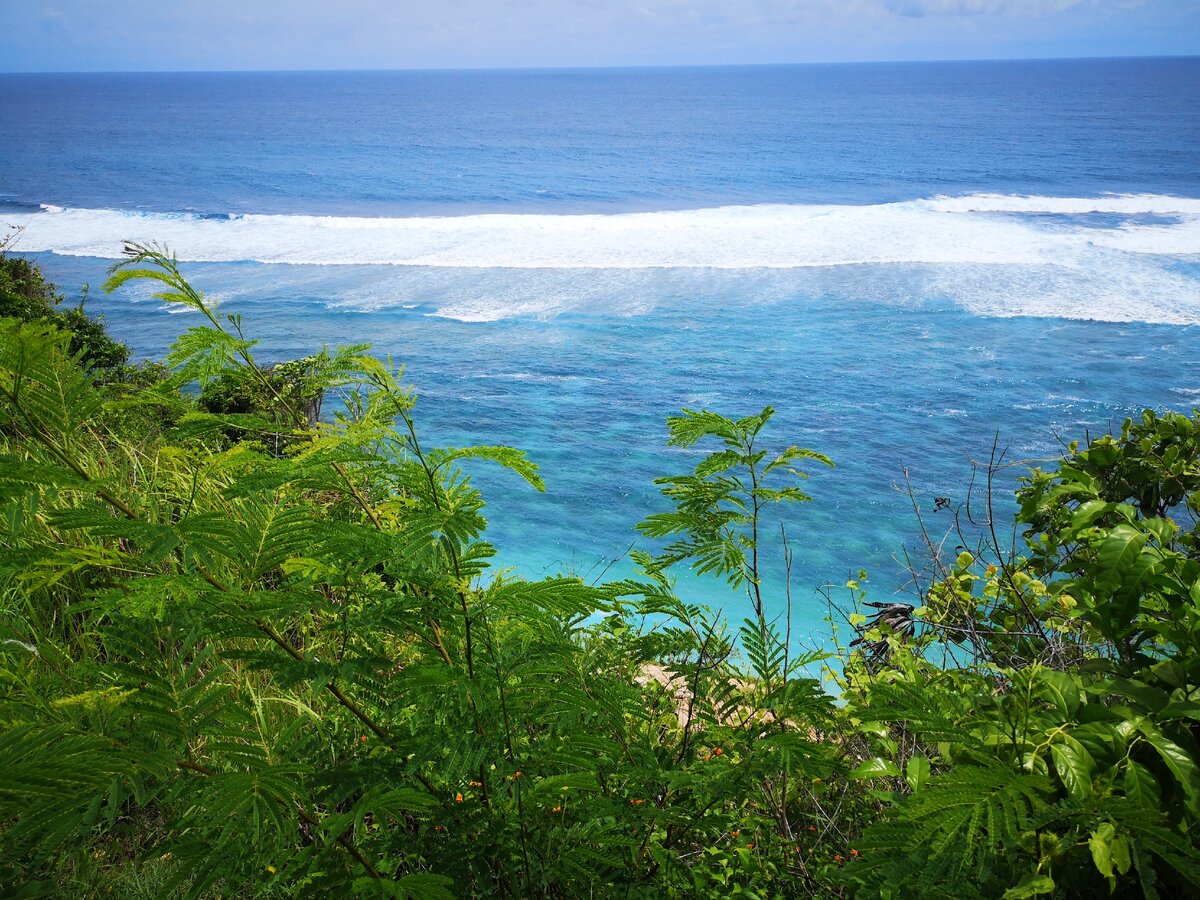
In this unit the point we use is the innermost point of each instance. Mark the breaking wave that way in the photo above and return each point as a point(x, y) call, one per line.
point(1114, 257)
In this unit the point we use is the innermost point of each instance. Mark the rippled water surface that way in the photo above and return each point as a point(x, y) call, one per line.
point(904, 260)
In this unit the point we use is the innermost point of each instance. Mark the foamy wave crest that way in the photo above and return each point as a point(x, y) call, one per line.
point(1116, 257)
point(938, 231)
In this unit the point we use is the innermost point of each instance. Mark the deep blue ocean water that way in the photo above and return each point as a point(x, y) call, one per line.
point(905, 260)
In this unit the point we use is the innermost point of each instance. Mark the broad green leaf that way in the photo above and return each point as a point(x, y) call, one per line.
point(1074, 766)
point(1122, 546)
point(1088, 513)
point(1121, 856)
point(878, 767)
point(1032, 885)
point(1180, 709)
point(1062, 689)
point(1140, 785)
point(1100, 844)
point(917, 771)
point(1178, 760)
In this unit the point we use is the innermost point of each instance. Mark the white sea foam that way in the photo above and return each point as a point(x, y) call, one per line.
point(995, 254)
point(937, 231)
point(1118, 204)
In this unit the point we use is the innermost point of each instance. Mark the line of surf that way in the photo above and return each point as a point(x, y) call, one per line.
point(974, 229)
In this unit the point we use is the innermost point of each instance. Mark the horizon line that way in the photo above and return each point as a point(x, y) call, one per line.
point(607, 68)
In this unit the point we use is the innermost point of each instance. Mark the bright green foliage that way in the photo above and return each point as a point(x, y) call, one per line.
point(283, 664)
point(1065, 758)
point(718, 506)
point(293, 671)
point(274, 408)
point(27, 296)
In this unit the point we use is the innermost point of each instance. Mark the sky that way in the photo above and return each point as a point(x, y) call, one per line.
point(167, 35)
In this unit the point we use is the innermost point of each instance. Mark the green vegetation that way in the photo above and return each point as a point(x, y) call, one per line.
point(26, 296)
point(245, 651)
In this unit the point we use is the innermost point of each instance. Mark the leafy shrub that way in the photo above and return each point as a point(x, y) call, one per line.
point(26, 295)
point(1064, 760)
point(232, 672)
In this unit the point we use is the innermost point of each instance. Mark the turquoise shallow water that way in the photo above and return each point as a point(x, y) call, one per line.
point(879, 386)
point(906, 261)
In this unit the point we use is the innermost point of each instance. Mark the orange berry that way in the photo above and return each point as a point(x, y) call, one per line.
point(717, 751)
point(556, 809)
point(735, 833)
point(840, 858)
point(363, 739)
point(516, 775)
point(812, 827)
point(474, 784)
point(854, 853)
point(458, 798)
point(749, 846)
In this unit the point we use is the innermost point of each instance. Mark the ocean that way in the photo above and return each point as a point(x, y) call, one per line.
point(910, 262)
